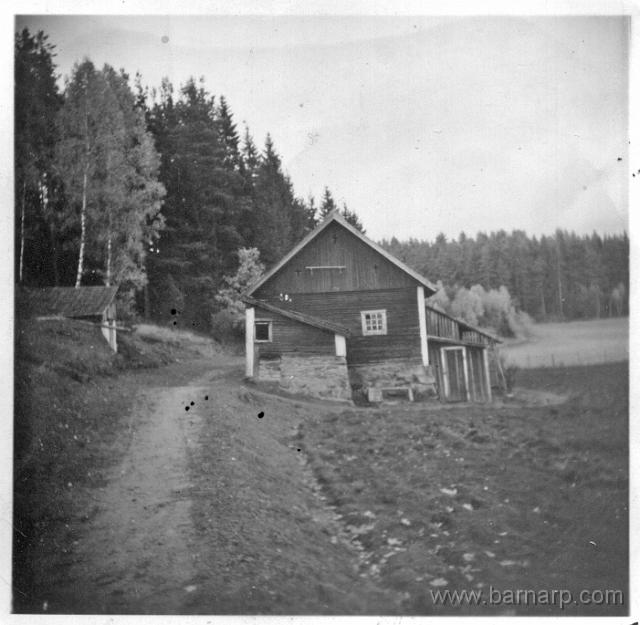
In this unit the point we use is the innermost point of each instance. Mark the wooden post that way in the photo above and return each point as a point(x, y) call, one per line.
point(487, 373)
point(250, 316)
point(445, 372)
point(341, 345)
point(422, 318)
point(465, 367)
point(113, 335)
point(472, 376)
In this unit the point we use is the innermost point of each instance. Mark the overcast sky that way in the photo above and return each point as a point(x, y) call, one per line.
point(421, 125)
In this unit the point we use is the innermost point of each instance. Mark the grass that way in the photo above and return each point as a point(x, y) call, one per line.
point(473, 497)
point(160, 334)
point(71, 403)
point(572, 343)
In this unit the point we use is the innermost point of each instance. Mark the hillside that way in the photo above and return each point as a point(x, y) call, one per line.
point(72, 396)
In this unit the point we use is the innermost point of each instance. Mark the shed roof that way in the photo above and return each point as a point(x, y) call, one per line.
point(335, 216)
point(316, 322)
point(84, 301)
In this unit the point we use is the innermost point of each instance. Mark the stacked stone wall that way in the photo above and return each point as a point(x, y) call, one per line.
point(324, 377)
point(393, 374)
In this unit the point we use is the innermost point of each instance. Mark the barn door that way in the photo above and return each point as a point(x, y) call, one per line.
point(454, 373)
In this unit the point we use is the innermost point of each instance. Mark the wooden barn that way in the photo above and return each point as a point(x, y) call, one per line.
point(339, 316)
point(95, 304)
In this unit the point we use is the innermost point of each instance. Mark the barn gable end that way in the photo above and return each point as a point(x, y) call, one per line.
point(337, 257)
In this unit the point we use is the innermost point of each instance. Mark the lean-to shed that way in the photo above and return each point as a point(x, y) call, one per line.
point(90, 303)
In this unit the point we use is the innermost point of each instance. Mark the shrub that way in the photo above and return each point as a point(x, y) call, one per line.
point(492, 309)
point(227, 327)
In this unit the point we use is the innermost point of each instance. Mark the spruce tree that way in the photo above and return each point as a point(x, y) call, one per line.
point(328, 204)
point(36, 103)
point(352, 218)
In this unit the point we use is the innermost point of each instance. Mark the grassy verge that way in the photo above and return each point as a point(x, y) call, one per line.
point(71, 402)
point(471, 498)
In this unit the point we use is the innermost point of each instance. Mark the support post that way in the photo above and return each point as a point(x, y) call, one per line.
point(422, 319)
point(341, 345)
point(445, 372)
point(487, 372)
point(465, 366)
point(113, 341)
point(250, 316)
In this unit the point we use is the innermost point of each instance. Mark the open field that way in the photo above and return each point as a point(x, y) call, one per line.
point(572, 343)
point(148, 485)
point(467, 498)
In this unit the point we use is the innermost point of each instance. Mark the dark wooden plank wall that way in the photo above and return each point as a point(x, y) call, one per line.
point(471, 336)
point(403, 330)
point(477, 377)
point(292, 337)
point(441, 325)
point(364, 267)
point(447, 328)
point(436, 363)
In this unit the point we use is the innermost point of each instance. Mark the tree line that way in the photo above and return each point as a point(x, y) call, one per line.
point(158, 192)
point(551, 277)
point(152, 190)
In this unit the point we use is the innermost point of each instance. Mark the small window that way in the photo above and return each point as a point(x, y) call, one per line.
point(374, 322)
point(263, 331)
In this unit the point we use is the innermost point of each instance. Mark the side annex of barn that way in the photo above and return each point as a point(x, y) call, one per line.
point(340, 317)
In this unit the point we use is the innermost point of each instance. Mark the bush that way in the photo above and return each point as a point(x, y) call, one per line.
point(492, 309)
point(227, 327)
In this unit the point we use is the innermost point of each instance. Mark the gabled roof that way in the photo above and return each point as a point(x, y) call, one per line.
point(464, 324)
point(316, 322)
point(335, 216)
point(84, 301)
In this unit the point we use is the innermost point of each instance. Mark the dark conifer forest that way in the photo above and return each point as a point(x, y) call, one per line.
point(159, 192)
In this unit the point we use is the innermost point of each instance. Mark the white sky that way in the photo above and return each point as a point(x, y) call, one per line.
point(420, 124)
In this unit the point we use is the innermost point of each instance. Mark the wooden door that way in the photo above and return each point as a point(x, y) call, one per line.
point(454, 370)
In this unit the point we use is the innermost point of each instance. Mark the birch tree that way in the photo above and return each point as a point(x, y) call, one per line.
point(109, 166)
point(91, 128)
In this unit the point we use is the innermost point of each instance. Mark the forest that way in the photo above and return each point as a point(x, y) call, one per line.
point(158, 191)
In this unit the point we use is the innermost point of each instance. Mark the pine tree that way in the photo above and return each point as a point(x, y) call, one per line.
point(208, 201)
point(37, 101)
point(328, 204)
point(352, 218)
point(274, 202)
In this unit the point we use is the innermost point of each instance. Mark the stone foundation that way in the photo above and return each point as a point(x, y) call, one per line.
point(269, 370)
point(324, 377)
point(392, 374)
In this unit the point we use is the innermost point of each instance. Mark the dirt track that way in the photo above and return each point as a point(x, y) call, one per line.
point(138, 554)
point(209, 511)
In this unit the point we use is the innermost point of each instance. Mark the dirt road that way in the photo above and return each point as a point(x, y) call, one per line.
point(209, 511)
point(137, 554)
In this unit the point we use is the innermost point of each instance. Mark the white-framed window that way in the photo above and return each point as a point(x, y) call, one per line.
point(374, 322)
point(263, 332)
